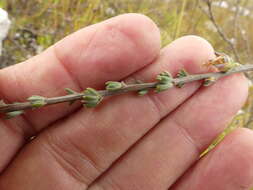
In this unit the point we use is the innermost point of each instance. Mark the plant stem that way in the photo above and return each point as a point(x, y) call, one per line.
point(5, 108)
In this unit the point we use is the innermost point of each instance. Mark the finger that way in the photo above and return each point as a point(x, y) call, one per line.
point(86, 144)
point(110, 50)
point(174, 145)
point(228, 167)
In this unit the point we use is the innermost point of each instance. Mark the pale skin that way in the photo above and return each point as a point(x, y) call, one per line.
point(127, 142)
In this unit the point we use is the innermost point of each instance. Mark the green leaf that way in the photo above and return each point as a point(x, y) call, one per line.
point(91, 98)
point(37, 101)
point(112, 85)
point(209, 81)
point(229, 66)
point(182, 73)
point(13, 114)
point(164, 77)
point(142, 92)
point(70, 91)
point(163, 87)
point(180, 84)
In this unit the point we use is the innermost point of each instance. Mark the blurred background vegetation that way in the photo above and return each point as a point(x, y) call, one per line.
point(37, 24)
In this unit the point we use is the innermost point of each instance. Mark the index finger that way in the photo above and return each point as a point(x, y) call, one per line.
point(110, 50)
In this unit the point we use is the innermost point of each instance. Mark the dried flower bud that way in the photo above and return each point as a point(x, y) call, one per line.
point(37, 101)
point(91, 98)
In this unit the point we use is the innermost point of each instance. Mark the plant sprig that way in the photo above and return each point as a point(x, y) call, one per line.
point(91, 97)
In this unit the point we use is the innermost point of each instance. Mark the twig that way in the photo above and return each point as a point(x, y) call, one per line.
point(236, 16)
point(220, 30)
point(91, 97)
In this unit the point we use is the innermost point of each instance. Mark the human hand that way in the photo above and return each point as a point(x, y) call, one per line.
point(151, 142)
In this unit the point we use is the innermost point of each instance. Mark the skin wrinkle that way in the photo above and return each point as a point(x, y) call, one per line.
point(157, 105)
point(83, 51)
point(87, 158)
point(116, 32)
point(187, 136)
point(60, 156)
point(27, 129)
point(67, 71)
point(111, 33)
point(112, 183)
point(19, 137)
point(16, 130)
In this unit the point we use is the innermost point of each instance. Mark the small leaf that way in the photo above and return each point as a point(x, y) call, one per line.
point(166, 73)
point(229, 66)
point(182, 73)
point(112, 85)
point(13, 114)
point(165, 81)
point(163, 87)
point(91, 98)
point(70, 91)
point(91, 91)
point(180, 84)
point(37, 101)
point(164, 77)
point(142, 92)
point(90, 104)
point(209, 81)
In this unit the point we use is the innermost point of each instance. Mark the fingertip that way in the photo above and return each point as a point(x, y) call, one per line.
point(191, 52)
point(237, 150)
point(115, 47)
point(141, 29)
point(137, 28)
point(228, 166)
point(240, 138)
